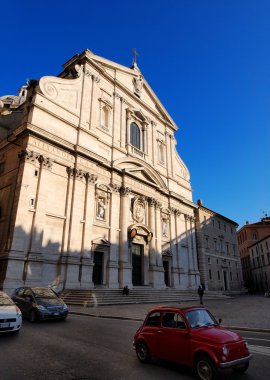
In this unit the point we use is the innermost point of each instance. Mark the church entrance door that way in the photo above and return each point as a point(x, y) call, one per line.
point(137, 264)
point(166, 272)
point(97, 269)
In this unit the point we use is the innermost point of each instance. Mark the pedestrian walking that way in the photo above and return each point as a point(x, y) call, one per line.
point(201, 292)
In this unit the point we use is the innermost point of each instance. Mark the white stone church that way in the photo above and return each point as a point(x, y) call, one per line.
point(92, 190)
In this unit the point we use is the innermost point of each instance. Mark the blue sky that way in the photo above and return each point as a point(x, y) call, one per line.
point(208, 61)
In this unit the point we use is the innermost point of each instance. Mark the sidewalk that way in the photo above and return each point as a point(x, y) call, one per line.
point(246, 312)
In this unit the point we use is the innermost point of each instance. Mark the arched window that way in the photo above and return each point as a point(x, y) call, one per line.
point(135, 137)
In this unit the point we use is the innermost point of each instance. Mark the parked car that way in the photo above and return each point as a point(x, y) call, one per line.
point(191, 336)
point(40, 303)
point(10, 315)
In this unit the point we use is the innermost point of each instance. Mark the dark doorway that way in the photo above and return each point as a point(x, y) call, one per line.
point(137, 260)
point(97, 269)
point(225, 280)
point(166, 272)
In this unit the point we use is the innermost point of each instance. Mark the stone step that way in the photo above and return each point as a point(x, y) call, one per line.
point(115, 297)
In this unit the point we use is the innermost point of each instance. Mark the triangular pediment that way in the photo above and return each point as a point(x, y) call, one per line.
point(131, 81)
point(141, 171)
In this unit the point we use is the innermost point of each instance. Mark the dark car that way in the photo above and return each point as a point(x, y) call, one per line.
point(191, 336)
point(40, 303)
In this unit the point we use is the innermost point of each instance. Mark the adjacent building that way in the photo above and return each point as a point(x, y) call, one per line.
point(254, 252)
point(92, 189)
point(218, 255)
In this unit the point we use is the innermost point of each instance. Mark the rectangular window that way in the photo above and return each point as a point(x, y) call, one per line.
point(221, 245)
point(218, 274)
point(206, 242)
point(231, 276)
point(210, 274)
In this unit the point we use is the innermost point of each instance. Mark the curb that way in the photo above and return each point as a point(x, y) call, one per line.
point(253, 329)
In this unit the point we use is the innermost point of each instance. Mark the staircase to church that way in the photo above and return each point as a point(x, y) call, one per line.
point(139, 295)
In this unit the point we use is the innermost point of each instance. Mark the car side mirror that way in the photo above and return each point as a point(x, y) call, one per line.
point(219, 320)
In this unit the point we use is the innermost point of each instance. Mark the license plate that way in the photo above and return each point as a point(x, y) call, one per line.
point(3, 325)
point(55, 313)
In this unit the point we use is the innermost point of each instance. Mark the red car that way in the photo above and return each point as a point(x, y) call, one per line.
point(191, 336)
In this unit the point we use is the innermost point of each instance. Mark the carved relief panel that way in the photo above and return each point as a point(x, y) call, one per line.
point(138, 209)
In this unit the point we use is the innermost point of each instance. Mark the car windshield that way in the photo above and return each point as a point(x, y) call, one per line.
point(199, 318)
point(5, 300)
point(43, 293)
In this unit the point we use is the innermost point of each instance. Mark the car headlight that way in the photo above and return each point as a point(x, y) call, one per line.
point(18, 311)
point(41, 308)
point(65, 307)
point(225, 350)
point(246, 345)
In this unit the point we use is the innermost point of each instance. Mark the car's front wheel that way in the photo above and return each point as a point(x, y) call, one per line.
point(142, 352)
point(205, 369)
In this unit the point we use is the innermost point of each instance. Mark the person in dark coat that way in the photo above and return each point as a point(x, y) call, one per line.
point(201, 292)
point(125, 290)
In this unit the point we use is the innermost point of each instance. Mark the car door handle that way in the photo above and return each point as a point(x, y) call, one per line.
point(160, 332)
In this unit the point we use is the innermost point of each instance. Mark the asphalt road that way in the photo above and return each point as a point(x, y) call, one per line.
point(87, 348)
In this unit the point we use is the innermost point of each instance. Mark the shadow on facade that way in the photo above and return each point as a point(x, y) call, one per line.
point(33, 259)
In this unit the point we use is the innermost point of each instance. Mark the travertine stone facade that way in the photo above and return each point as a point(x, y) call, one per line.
point(92, 189)
point(218, 254)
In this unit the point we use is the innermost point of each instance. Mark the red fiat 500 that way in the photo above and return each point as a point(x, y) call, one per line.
point(191, 336)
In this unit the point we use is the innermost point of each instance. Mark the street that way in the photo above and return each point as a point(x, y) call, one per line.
point(87, 348)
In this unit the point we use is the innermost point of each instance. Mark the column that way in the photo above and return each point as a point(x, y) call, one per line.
point(175, 274)
point(190, 261)
point(86, 257)
point(172, 150)
point(87, 88)
point(168, 156)
point(125, 266)
point(41, 266)
point(158, 235)
point(95, 79)
point(178, 239)
point(194, 251)
point(113, 265)
point(153, 273)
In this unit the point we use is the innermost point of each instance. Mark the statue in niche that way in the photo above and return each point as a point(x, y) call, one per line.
point(138, 84)
point(165, 227)
point(101, 207)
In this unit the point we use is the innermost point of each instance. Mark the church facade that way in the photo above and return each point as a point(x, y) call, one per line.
point(92, 190)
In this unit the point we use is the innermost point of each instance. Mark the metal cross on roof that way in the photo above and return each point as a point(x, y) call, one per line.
point(136, 54)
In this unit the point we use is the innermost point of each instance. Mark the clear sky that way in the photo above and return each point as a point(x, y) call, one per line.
point(208, 61)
